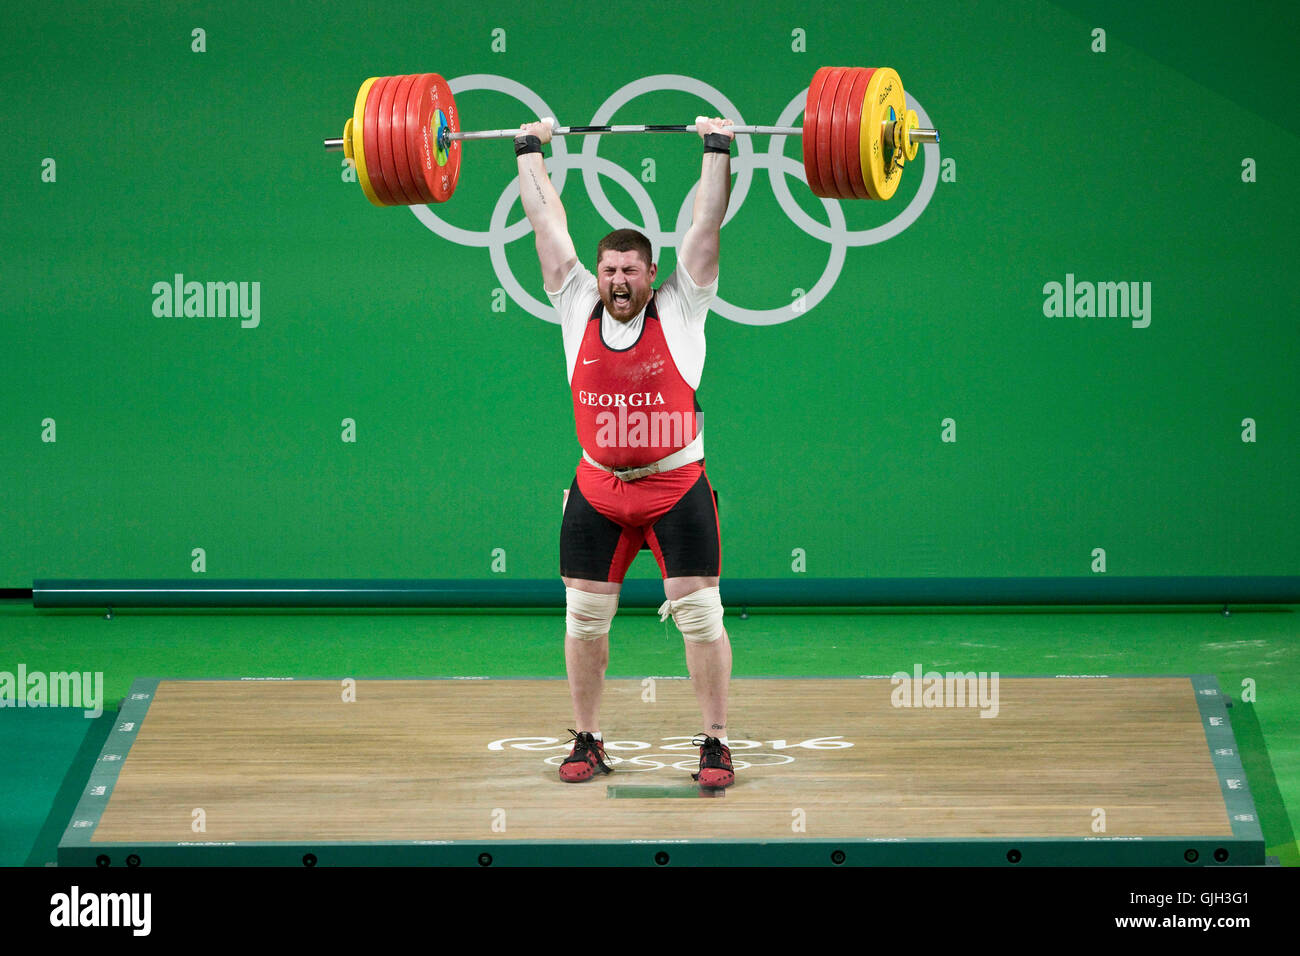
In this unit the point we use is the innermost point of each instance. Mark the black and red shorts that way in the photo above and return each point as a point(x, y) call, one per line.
point(608, 520)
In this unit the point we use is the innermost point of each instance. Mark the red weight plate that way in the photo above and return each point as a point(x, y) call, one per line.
point(839, 127)
point(384, 134)
point(407, 171)
point(420, 133)
point(810, 129)
point(395, 174)
point(853, 135)
point(411, 129)
point(825, 114)
point(374, 165)
point(439, 175)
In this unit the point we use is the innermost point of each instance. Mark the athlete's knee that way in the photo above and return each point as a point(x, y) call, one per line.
point(588, 615)
point(698, 615)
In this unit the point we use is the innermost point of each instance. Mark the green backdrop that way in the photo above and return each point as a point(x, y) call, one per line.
point(1161, 152)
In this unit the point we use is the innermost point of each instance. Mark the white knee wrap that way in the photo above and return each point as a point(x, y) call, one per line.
point(698, 615)
point(599, 608)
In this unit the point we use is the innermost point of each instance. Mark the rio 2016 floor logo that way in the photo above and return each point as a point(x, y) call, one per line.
point(501, 233)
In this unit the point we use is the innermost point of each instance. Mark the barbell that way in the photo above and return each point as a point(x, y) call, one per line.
point(404, 136)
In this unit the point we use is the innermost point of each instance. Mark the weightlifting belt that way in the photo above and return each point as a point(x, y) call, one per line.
point(692, 452)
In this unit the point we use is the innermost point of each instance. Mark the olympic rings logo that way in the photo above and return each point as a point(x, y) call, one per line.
point(744, 753)
point(501, 233)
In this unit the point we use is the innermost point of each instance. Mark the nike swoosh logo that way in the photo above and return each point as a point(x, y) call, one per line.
point(589, 361)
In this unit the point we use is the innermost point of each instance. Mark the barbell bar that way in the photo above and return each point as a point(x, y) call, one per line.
point(335, 144)
point(404, 136)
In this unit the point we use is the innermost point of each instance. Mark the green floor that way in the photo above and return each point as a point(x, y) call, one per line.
point(38, 746)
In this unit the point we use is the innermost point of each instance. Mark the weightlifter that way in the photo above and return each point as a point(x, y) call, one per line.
point(635, 355)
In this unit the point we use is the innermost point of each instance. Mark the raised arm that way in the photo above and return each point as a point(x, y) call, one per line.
point(699, 253)
point(545, 212)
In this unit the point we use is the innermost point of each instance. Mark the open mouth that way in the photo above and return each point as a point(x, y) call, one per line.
point(621, 298)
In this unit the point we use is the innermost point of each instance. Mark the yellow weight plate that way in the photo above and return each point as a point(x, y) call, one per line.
point(347, 138)
point(884, 102)
point(358, 147)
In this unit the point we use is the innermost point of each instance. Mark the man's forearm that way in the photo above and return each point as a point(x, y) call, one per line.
point(713, 193)
point(546, 215)
point(540, 200)
point(699, 251)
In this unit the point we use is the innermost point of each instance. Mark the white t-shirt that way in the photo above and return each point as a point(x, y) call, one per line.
point(683, 306)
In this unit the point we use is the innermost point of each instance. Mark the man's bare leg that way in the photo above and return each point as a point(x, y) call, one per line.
point(585, 661)
point(709, 664)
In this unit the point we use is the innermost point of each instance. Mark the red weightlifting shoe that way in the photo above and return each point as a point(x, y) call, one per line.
point(715, 763)
point(584, 760)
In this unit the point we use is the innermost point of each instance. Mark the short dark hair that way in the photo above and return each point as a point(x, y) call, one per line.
point(626, 240)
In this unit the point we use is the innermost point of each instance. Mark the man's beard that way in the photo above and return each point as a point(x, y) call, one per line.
point(624, 309)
